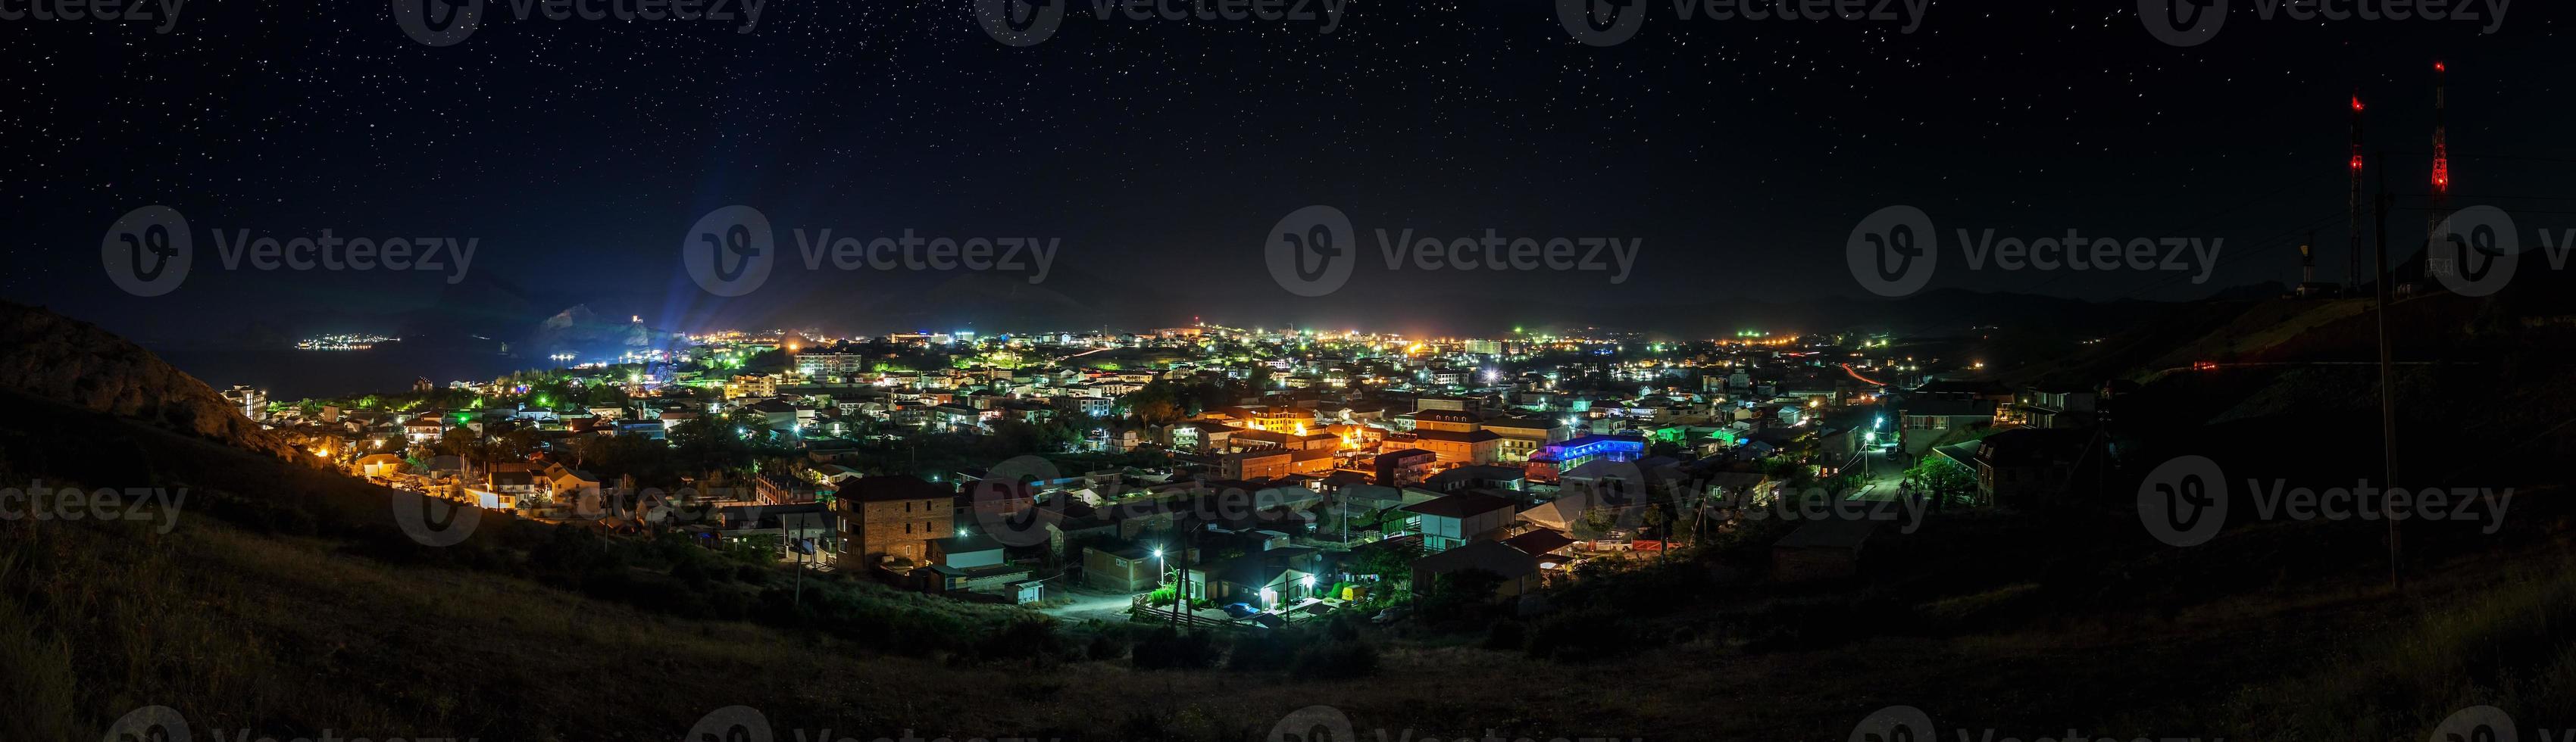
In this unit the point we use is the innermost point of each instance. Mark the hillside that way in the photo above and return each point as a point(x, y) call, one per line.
point(287, 601)
point(57, 358)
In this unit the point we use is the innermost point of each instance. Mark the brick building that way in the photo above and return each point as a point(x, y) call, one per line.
point(893, 516)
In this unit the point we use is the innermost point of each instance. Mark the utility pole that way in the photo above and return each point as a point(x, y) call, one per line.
point(1181, 583)
point(2353, 203)
point(801, 550)
point(2387, 388)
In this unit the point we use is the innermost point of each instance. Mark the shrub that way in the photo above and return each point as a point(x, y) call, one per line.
point(1506, 634)
point(1262, 650)
point(1167, 649)
point(1103, 648)
point(1584, 635)
point(1020, 639)
point(1342, 627)
point(1334, 661)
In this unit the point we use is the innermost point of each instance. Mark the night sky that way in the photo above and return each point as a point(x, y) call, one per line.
point(1160, 152)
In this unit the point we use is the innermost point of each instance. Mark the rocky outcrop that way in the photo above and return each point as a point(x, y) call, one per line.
point(54, 357)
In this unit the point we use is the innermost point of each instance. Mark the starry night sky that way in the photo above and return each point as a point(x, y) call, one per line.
point(1160, 152)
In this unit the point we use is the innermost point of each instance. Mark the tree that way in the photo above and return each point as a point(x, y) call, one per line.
point(1158, 403)
point(1391, 560)
point(1941, 480)
point(1456, 594)
point(1599, 520)
point(1655, 519)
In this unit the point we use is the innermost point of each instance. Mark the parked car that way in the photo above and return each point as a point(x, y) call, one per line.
point(1391, 615)
point(1239, 610)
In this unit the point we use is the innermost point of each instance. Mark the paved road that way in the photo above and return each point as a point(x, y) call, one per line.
point(1890, 471)
point(1092, 604)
